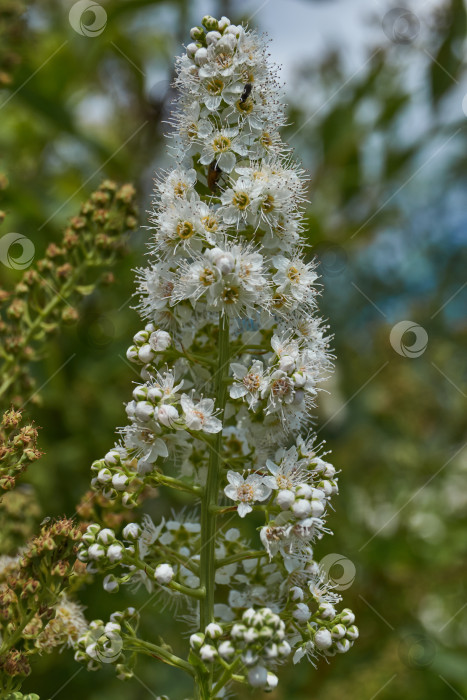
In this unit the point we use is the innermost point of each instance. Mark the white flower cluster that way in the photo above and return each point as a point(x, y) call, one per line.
point(102, 643)
point(258, 641)
point(218, 415)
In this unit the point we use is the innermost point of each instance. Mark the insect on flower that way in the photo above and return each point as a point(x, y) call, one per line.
point(214, 175)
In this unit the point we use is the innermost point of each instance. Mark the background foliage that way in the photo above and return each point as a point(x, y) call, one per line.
point(386, 149)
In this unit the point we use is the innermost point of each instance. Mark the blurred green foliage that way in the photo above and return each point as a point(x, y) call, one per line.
point(386, 148)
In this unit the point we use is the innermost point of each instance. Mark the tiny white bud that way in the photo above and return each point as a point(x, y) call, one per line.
point(284, 648)
point(272, 680)
point(201, 56)
point(297, 593)
point(154, 394)
point(301, 508)
point(323, 639)
point(119, 482)
point(167, 415)
point(104, 475)
point(114, 552)
point(232, 534)
point(213, 630)
point(160, 340)
point(208, 653)
point(191, 49)
point(302, 612)
point(163, 573)
point(347, 616)
point(343, 645)
point(352, 632)
point(285, 499)
point(146, 353)
point(141, 337)
point(112, 457)
point(317, 508)
point(223, 23)
point(132, 353)
point(304, 491)
point(144, 410)
point(226, 650)
point(213, 37)
point(96, 551)
point(327, 611)
point(131, 531)
point(106, 536)
point(196, 640)
point(338, 631)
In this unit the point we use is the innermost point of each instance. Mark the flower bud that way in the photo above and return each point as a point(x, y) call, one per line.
point(210, 23)
point(96, 551)
point(213, 37)
point(197, 640)
point(112, 458)
point(343, 645)
point(347, 616)
point(226, 650)
point(302, 612)
point(141, 337)
point(352, 632)
point(201, 56)
point(106, 536)
point(286, 363)
point(146, 354)
point(115, 552)
point(223, 23)
point(272, 680)
point(131, 531)
point(104, 476)
point(119, 482)
point(144, 411)
point(197, 33)
point(213, 630)
point(132, 353)
point(338, 631)
point(301, 508)
point(191, 49)
point(160, 341)
point(167, 415)
point(208, 653)
point(323, 639)
point(163, 573)
point(285, 499)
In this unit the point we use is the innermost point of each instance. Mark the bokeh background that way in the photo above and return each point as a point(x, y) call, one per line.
point(377, 97)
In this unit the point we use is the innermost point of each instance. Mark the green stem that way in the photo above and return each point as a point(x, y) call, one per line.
point(160, 653)
point(240, 557)
point(211, 494)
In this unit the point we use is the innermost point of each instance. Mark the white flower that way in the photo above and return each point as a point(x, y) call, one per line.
point(245, 491)
point(163, 573)
point(200, 416)
point(248, 382)
point(294, 277)
point(222, 146)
